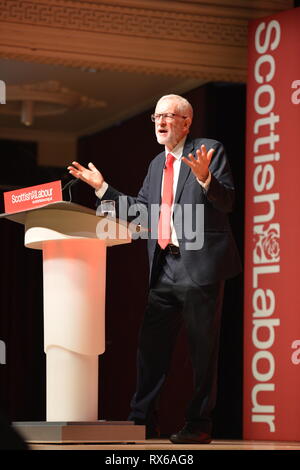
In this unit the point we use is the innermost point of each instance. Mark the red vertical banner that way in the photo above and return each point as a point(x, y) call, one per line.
point(272, 230)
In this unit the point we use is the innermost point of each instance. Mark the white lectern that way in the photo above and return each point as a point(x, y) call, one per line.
point(74, 242)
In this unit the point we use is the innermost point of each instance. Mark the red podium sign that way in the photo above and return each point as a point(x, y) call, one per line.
point(32, 197)
point(272, 230)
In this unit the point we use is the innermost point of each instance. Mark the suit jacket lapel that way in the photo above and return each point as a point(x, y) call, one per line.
point(184, 169)
point(157, 180)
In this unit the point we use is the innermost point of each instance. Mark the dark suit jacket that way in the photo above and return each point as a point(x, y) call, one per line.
point(218, 259)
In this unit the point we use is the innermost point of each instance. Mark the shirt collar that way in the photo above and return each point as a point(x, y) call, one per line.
point(177, 151)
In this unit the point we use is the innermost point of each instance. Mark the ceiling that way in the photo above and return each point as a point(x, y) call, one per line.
point(125, 94)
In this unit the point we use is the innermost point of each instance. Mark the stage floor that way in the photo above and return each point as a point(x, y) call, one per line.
point(164, 444)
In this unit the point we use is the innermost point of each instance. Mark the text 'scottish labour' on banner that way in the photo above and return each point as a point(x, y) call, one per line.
point(272, 254)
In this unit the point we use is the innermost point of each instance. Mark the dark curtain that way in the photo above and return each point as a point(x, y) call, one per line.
point(21, 327)
point(226, 121)
point(22, 377)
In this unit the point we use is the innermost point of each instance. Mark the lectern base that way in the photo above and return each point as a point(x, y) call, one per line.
point(80, 432)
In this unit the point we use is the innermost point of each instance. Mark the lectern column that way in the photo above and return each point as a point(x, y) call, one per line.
point(74, 324)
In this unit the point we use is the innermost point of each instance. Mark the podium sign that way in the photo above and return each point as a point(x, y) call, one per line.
point(34, 196)
point(272, 230)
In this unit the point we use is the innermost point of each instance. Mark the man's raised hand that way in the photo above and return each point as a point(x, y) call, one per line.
point(200, 164)
point(89, 175)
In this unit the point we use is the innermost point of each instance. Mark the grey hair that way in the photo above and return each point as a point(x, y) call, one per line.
point(183, 105)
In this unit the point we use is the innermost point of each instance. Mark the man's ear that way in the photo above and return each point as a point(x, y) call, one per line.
point(188, 122)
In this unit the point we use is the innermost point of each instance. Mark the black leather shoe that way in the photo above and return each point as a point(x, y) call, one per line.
point(186, 436)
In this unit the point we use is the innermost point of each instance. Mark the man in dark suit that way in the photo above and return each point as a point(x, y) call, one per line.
point(190, 258)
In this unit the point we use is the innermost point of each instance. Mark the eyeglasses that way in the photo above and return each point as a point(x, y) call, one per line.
point(156, 117)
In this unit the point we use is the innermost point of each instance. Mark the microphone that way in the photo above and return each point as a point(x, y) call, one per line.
point(69, 185)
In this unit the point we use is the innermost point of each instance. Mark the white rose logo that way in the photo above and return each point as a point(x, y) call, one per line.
point(267, 247)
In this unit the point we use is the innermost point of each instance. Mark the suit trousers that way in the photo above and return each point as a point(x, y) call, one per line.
point(175, 300)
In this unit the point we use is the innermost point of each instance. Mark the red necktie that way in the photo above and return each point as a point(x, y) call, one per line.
point(164, 224)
